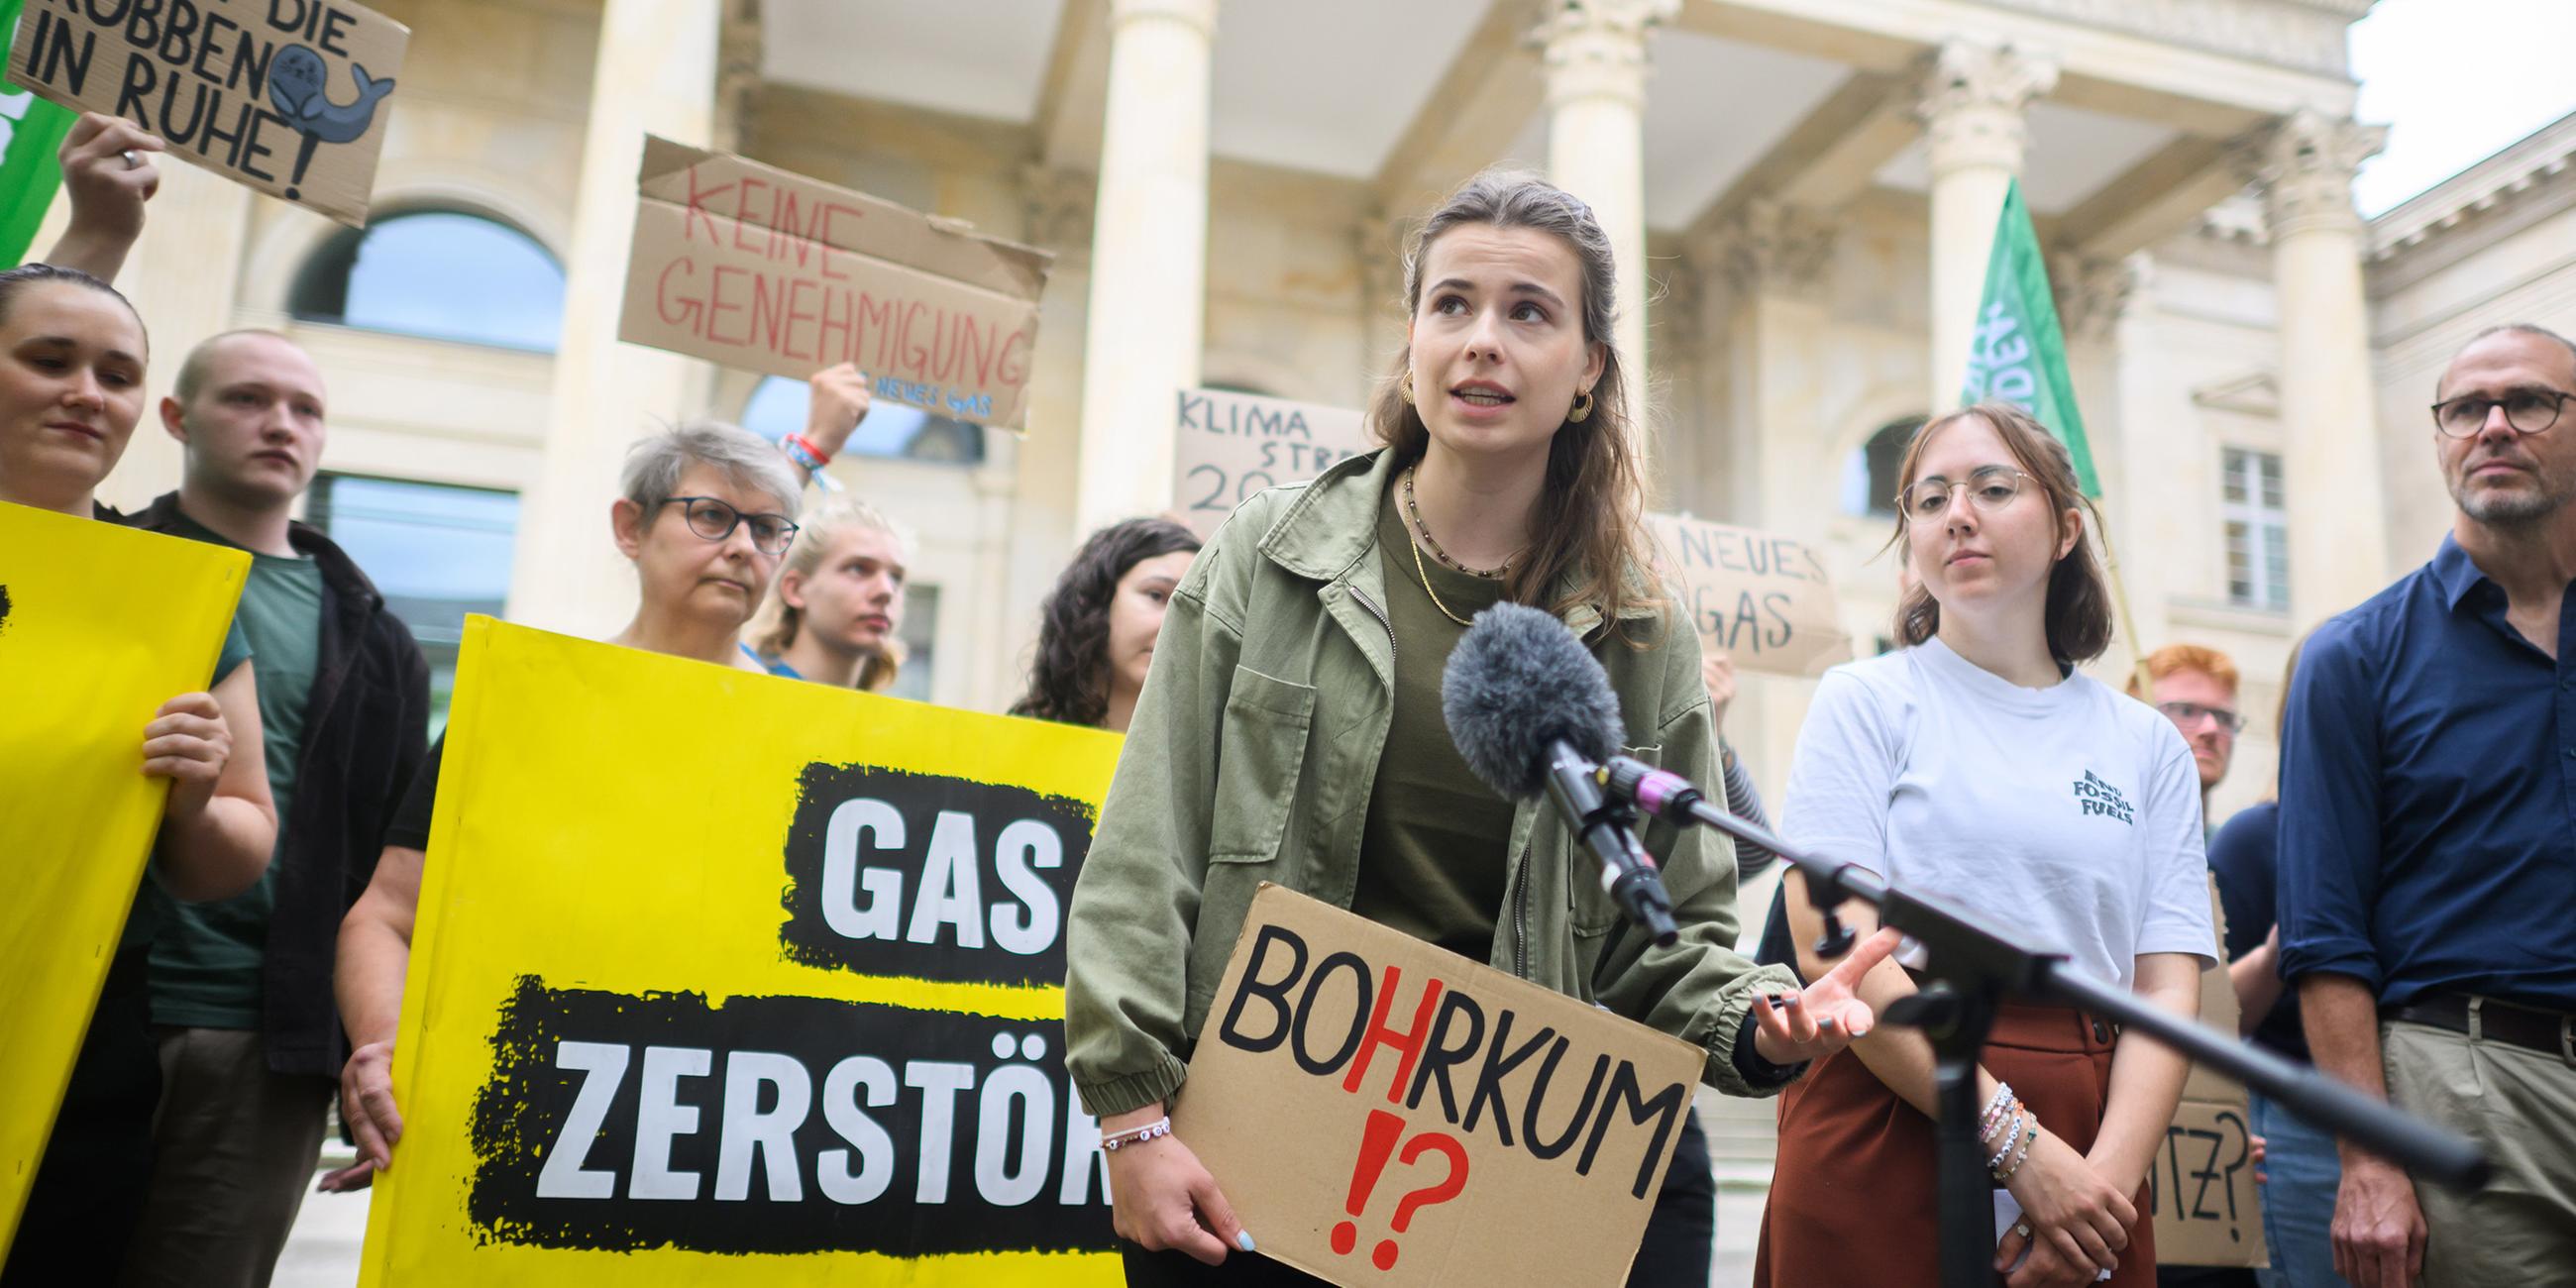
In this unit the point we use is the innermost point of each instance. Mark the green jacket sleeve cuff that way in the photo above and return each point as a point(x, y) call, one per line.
point(1129, 1092)
point(1733, 1064)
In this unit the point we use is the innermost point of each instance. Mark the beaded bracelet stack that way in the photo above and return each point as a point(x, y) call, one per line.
point(1116, 1141)
point(2018, 1128)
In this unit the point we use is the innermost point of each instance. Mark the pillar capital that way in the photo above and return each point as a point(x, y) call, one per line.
point(1058, 205)
point(2304, 165)
point(1198, 15)
point(2093, 293)
point(1971, 104)
point(1597, 48)
point(1765, 247)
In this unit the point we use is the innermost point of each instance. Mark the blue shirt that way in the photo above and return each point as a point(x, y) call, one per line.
point(2428, 796)
point(2243, 856)
point(773, 665)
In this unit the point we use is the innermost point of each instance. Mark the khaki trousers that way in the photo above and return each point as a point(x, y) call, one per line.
point(2520, 1105)
point(234, 1151)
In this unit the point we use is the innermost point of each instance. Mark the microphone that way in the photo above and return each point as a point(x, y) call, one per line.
point(1532, 712)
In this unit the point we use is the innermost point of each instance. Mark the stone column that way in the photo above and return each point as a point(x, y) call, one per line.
point(1973, 97)
point(1380, 240)
point(655, 72)
point(1594, 52)
point(2330, 465)
point(1147, 320)
point(1772, 260)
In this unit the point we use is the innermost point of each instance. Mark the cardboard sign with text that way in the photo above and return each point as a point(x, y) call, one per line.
point(250, 89)
point(1382, 1112)
point(1228, 446)
point(2208, 1211)
point(751, 266)
point(1763, 598)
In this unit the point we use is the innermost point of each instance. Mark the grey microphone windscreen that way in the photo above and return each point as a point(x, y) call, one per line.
point(1518, 681)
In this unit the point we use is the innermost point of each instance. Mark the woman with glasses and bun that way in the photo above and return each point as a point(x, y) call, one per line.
point(705, 512)
point(1975, 763)
point(1290, 728)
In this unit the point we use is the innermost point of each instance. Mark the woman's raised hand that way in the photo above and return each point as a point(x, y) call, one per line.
point(1825, 1016)
point(836, 401)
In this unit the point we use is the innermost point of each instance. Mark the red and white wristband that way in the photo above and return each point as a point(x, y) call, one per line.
point(1116, 1141)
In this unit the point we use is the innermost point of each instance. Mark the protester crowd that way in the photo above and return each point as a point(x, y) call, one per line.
point(2401, 912)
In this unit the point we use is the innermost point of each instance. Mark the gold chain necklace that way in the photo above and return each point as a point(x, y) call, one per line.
point(1424, 531)
point(1425, 575)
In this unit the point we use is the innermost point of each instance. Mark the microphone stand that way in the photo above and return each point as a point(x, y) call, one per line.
point(1972, 967)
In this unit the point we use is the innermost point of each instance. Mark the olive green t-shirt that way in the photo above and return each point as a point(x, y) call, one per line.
point(1435, 850)
point(206, 960)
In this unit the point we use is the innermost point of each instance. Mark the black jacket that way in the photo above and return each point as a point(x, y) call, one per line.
point(366, 728)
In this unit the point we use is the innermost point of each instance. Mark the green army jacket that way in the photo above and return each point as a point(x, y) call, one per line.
point(1251, 757)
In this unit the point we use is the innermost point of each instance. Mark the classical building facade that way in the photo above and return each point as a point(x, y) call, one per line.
point(1801, 193)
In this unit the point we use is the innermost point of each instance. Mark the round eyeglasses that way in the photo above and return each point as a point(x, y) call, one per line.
point(1990, 487)
point(2188, 715)
point(2529, 411)
point(715, 520)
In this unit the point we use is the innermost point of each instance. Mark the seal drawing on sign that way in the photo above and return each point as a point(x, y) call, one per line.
point(296, 80)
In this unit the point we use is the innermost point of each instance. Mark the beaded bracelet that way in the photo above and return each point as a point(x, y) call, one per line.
point(1995, 1119)
point(2029, 1137)
point(1993, 1111)
point(1137, 1135)
point(2012, 1129)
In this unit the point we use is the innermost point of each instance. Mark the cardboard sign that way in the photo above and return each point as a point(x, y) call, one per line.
point(751, 266)
point(775, 999)
point(286, 96)
point(1763, 598)
point(2208, 1210)
point(99, 625)
point(1228, 446)
point(1382, 1112)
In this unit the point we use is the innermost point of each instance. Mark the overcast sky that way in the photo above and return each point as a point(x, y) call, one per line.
point(2456, 80)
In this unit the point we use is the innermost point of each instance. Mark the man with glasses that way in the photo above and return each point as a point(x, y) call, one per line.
point(2428, 841)
point(2195, 687)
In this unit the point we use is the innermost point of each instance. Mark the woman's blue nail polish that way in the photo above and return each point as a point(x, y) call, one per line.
point(1244, 1240)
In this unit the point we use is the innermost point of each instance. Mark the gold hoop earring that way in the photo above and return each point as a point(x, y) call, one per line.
point(1405, 390)
point(1581, 411)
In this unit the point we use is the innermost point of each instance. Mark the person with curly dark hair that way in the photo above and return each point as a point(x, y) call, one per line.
point(1100, 622)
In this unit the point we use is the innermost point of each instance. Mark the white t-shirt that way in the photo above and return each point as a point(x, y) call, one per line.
point(2070, 815)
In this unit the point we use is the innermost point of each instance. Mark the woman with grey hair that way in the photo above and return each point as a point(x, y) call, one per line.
point(705, 512)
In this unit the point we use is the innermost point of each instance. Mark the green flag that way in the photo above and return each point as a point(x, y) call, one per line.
point(31, 130)
point(2020, 354)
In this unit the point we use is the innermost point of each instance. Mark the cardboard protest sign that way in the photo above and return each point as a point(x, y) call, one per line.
point(250, 89)
point(751, 266)
point(99, 625)
point(1383, 1112)
point(2208, 1210)
point(1763, 598)
point(1228, 446)
point(722, 978)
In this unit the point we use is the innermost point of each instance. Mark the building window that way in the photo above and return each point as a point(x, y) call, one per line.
point(777, 408)
point(919, 635)
point(2258, 531)
point(435, 552)
point(438, 274)
point(1870, 476)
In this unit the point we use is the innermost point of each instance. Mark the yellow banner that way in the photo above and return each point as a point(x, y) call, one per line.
point(721, 978)
point(99, 625)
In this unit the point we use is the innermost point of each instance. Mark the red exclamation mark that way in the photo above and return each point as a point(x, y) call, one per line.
point(1377, 1142)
